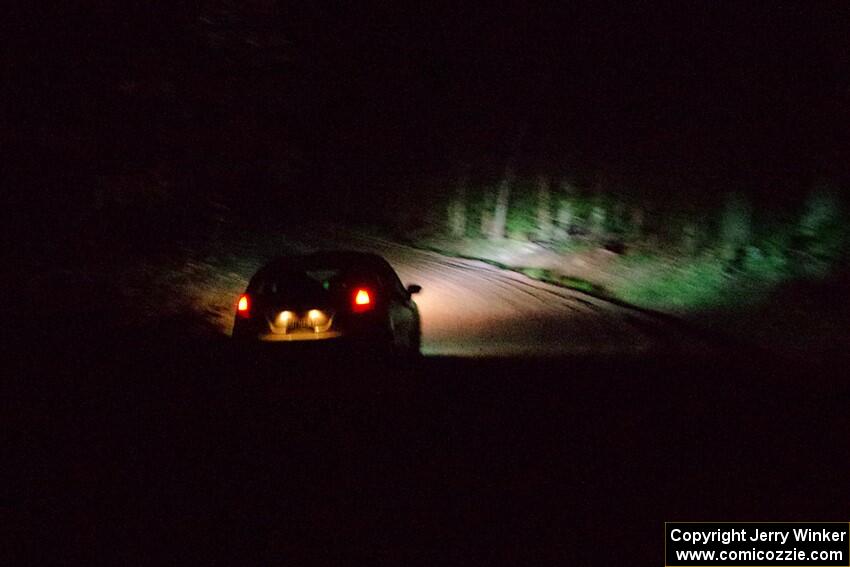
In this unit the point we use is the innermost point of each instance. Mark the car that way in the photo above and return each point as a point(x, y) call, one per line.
point(342, 297)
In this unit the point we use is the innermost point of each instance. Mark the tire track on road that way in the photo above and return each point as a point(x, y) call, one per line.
point(473, 308)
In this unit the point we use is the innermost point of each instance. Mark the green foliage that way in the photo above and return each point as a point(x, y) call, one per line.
point(697, 284)
point(579, 284)
point(616, 220)
point(479, 203)
point(522, 216)
point(544, 275)
point(821, 235)
point(767, 262)
point(735, 224)
point(822, 212)
point(684, 254)
point(537, 273)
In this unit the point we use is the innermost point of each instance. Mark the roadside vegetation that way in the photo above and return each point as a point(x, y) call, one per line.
point(723, 261)
point(144, 252)
point(139, 264)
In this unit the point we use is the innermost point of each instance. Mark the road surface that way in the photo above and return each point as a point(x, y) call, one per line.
point(471, 308)
point(154, 447)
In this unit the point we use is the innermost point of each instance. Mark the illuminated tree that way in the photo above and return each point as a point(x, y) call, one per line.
point(735, 225)
point(457, 209)
point(500, 212)
point(544, 210)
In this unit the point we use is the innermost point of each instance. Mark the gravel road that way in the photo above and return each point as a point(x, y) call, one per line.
point(471, 308)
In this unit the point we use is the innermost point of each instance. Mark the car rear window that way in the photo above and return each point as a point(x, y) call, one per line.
point(273, 282)
point(328, 278)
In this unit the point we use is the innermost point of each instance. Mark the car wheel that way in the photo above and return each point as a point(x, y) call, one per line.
point(415, 348)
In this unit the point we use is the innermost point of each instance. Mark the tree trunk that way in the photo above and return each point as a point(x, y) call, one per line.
point(735, 225)
point(564, 220)
point(500, 212)
point(598, 217)
point(457, 210)
point(636, 222)
point(544, 210)
point(486, 223)
point(503, 194)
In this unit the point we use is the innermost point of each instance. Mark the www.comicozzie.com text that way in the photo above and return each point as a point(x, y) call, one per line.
point(734, 535)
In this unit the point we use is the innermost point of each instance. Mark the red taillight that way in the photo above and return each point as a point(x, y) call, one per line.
point(362, 300)
point(243, 307)
point(362, 297)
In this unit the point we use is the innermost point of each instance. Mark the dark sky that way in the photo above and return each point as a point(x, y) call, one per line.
point(702, 90)
point(648, 86)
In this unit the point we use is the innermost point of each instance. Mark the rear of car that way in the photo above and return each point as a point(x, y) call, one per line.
point(339, 297)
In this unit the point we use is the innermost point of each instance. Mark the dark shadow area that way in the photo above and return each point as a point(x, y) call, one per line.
point(690, 161)
point(144, 449)
point(802, 319)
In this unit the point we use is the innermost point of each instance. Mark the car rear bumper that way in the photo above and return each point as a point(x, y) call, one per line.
point(363, 328)
point(333, 350)
point(298, 337)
